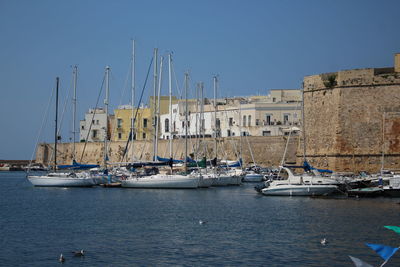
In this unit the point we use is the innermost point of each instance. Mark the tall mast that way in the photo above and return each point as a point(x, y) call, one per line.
point(158, 104)
point(240, 134)
point(170, 105)
point(75, 74)
point(202, 121)
point(383, 143)
point(215, 116)
point(186, 119)
point(304, 126)
point(155, 122)
point(106, 106)
point(133, 98)
point(197, 118)
point(56, 127)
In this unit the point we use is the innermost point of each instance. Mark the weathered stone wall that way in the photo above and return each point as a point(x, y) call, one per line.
point(350, 116)
point(267, 150)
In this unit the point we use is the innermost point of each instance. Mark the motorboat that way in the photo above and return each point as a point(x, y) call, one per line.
point(366, 192)
point(300, 185)
point(276, 188)
point(393, 189)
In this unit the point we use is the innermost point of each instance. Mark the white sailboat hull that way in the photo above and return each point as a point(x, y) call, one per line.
point(54, 181)
point(235, 180)
point(221, 180)
point(162, 181)
point(206, 181)
point(299, 190)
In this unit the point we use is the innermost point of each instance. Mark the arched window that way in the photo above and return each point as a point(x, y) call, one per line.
point(249, 120)
point(166, 125)
point(244, 120)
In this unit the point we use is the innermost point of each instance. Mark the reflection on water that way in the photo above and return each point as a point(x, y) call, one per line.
point(128, 227)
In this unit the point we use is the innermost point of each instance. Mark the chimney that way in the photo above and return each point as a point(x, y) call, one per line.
point(397, 62)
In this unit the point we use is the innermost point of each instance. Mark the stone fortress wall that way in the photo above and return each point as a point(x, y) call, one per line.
point(353, 117)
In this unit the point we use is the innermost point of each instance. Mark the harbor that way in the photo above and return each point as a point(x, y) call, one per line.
point(161, 227)
point(200, 133)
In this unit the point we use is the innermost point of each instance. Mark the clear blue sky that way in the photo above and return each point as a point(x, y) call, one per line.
point(252, 45)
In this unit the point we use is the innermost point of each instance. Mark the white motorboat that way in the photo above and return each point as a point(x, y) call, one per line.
point(283, 189)
point(313, 177)
point(393, 189)
point(162, 181)
point(62, 180)
point(300, 185)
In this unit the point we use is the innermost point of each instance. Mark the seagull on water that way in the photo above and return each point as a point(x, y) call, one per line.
point(323, 241)
point(61, 259)
point(79, 253)
point(202, 222)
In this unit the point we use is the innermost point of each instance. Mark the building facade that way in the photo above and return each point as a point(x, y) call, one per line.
point(123, 122)
point(275, 114)
point(93, 127)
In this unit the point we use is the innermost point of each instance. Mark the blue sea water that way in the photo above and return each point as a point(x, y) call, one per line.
point(134, 227)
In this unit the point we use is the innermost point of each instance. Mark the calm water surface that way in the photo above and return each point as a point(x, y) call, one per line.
point(134, 227)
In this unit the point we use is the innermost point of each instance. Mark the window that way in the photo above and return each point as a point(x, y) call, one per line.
point(183, 124)
point(230, 121)
point(97, 122)
point(144, 123)
point(249, 120)
point(119, 136)
point(82, 127)
point(266, 133)
point(267, 119)
point(285, 119)
point(228, 133)
point(218, 122)
point(94, 134)
point(174, 110)
point(119, 123)
point(174, 126)
point(144, 135)
point(244, 120)
point(166, 125)
point(257, 122)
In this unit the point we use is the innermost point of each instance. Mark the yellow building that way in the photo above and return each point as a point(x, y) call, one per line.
point(122, 123)
point(144, 120)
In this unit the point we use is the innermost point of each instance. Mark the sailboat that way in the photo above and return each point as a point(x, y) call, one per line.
point(61, 179)
point(171, 180)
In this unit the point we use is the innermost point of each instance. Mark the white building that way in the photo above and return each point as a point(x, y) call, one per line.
point(275, 114)
point(95, 121)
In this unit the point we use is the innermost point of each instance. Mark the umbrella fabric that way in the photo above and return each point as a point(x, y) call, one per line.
point(384, 251)
point(394, 228)
point(359, 263)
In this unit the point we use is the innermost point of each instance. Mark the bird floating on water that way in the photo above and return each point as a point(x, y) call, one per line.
point(79, 253)
point(323, 241)
point(202, 222)
point(61, 259)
